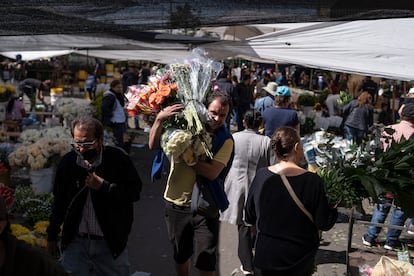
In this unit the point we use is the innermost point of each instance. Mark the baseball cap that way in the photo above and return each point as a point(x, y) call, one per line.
point(283, 91)
point(411, 91)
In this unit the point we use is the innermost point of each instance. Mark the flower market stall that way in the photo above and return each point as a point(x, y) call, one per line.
point(352, 173)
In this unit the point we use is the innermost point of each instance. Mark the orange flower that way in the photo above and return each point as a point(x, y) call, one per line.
point(152, 101)
point(173, 87)
point(164, 90)
point(159, 98)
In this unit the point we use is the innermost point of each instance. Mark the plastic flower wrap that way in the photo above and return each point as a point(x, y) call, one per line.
point(193, 78)
point(138, 99)
point(151, 98)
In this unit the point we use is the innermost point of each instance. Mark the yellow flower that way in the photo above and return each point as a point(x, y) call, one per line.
point(42, 242)
point(29, 238)
point(41, 226)
point(19, 230)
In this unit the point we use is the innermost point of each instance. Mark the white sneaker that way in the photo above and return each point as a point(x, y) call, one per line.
point(410, 229)
point(246, 272)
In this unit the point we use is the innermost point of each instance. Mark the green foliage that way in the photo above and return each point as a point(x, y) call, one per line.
point(306, 100)
point(32, 207)
point(184, 18)
point(368, 171)
point(344, 98)
point(321, 97)
point(177, 121)
point(340, 175)
point(307, 127)
point(97, 104)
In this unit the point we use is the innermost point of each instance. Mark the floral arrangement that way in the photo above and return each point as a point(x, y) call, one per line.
point(352, 172)
point(151, 98)
point(33, 207)
point(41, 149)
point(181, 145)
point(35, 210)
point(35, 237)
point(193, 78)
point(6, 91)
point(186, 82)
point(71, 109)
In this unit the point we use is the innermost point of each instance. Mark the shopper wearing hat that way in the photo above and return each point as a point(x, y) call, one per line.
point(266, 97)
point(281, 114)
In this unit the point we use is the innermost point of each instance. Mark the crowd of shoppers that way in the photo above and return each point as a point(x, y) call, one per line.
point(256, 170)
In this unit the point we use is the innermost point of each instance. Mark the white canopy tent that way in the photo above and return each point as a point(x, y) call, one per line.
point(381, 48)
point(98, 45)
point(159, 56)
point(34, 55)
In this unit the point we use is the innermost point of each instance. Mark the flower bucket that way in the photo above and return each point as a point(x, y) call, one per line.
point(42, 180)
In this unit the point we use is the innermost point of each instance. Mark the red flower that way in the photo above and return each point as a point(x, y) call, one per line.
point(8, 195)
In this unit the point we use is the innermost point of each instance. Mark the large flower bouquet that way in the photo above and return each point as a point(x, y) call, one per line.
point(41, 149)
point(186, 82)
point(6, 91)
point(193, 78)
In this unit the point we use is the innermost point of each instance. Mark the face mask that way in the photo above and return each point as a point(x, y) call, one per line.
point(90, 154)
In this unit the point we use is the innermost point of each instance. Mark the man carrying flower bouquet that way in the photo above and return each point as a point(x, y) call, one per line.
point(94, 191)
point(192, 232)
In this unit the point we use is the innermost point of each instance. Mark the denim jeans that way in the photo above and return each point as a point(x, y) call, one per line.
point(85, 257)
point(351, 133)
point(380, 213)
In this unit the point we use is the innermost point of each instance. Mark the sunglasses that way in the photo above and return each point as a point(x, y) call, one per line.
point(85, 145)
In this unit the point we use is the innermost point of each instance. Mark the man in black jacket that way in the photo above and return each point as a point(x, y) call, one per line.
point(94, 191)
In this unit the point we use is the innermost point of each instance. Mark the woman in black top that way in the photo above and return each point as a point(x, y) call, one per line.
point(287, 240)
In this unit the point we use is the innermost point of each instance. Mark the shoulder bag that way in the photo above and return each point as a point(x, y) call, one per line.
point(294, 197)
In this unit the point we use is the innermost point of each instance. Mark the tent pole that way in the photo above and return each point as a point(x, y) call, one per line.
point(276, 69)
point(393, 106)
point(310, 79)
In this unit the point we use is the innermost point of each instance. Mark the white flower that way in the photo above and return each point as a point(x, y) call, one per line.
point(175, 141)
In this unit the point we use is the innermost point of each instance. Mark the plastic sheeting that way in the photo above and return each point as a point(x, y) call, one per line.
point(382, 48)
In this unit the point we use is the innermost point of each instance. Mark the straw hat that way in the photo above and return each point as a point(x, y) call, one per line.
point(270, 88)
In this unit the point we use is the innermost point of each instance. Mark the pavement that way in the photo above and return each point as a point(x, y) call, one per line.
point(151, 254)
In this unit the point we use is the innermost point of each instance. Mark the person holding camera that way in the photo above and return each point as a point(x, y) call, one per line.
point(94, 191)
